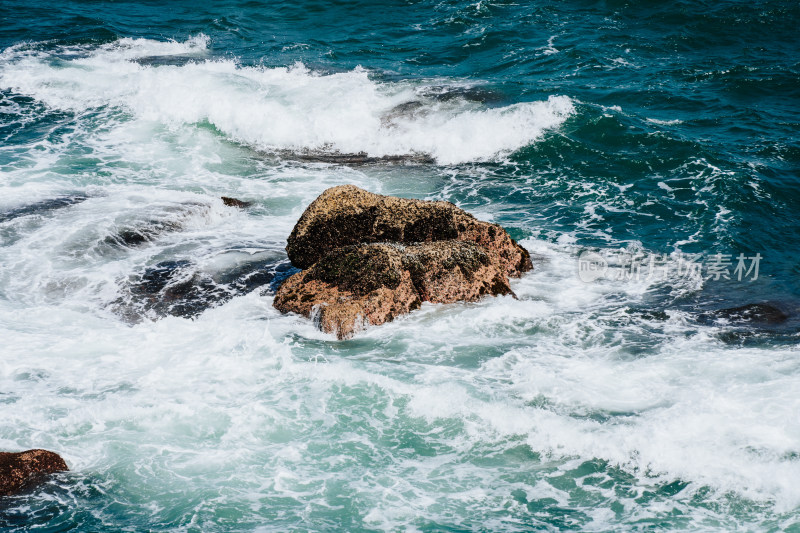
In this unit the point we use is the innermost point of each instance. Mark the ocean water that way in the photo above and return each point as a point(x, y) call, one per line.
point(137, 334)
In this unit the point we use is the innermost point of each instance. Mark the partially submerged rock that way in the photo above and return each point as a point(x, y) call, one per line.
point(173, 60)
point(356, 159)
point(370, 258)
point(136, 236)
point(762, 313)
point(357, 285)
point(156, 222)
point(181, 288)
point(349, 288)
point(42, 207)
point(347, 215)
point(233, 202)
point(23, 470)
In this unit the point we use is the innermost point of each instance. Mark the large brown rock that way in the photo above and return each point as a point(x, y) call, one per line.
point(22, 470)
point(356, 285)
point(347, 215)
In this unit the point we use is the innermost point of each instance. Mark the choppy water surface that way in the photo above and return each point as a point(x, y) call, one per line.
point(137, 333)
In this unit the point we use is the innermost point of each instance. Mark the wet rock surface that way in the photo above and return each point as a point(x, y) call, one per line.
point(351, 287)
point(137, 236)
point(374, 283)
point(42, 207)
point(755, 324)
point(180, 288)
point(24, 470)
point(370, 258)
point(761, 313)
point(171, 60)
point(181, 285)
point(348, 215)
point(356, 159)
point(162, 220)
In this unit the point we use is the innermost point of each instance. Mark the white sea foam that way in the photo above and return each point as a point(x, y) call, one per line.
point(662, 122)
point(410, 421)
point(550, 49)
point(225, 401)
point(277, 108)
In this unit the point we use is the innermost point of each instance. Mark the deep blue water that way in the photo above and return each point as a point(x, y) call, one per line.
point(629, 129)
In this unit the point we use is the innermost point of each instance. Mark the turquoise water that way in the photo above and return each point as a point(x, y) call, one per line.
point(137, 334)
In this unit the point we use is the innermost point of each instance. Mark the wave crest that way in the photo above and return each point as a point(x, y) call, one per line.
point(278, 109)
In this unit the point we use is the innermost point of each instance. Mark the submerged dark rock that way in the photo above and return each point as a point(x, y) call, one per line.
point(132, 237)
point(370, 258)
point(429, 97)
point(43, 207)
point(346, 215)
point(445, 93)
point(180, 288)
point(172, 60)
point(360, 158)
point(164, 220)
point(407, 110)
point(174, 288)
point(24, 470)
point(761, 313)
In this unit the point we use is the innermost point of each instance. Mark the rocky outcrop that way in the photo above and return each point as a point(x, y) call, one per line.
point(23, 470)
point(374, 283)
point(370, 258)
point(348, 215)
